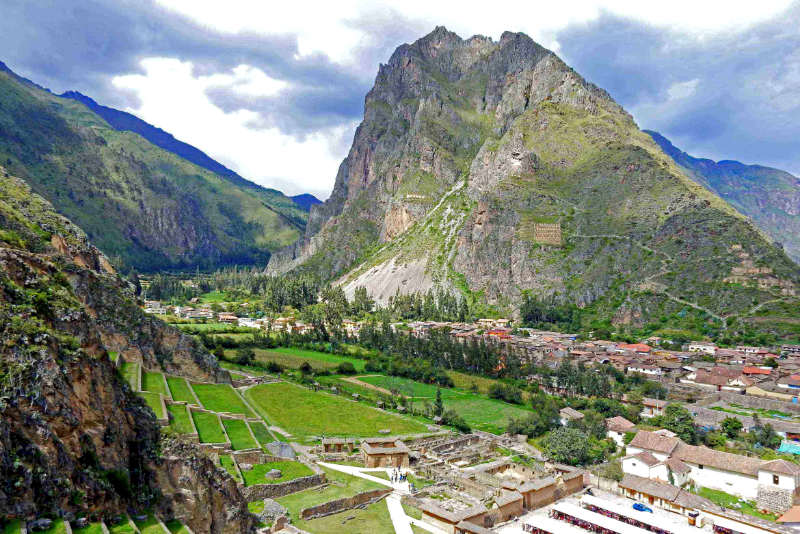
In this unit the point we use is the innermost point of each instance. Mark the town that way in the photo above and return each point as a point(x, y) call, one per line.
point(442, 480)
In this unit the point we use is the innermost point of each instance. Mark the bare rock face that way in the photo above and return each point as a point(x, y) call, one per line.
point(198, 493)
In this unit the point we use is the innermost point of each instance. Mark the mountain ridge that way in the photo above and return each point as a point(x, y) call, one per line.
point(145, 207)
point(771, 197)
point(491, 168)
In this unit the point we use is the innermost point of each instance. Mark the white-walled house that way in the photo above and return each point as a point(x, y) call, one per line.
point(773, 484)
point(644, 369)
point(617, 427)
point(699, 346)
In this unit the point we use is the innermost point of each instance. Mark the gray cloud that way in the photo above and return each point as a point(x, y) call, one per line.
point(746, 100)
point(69, 46)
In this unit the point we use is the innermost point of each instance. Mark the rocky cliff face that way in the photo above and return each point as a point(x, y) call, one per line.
point(74, 439)
point(771, 197)
point(502, 170)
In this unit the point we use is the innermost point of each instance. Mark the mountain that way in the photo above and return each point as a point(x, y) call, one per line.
point(771, 197)
point(74, 438)
point(493, 169)
point(306, 200)
point(143, 206)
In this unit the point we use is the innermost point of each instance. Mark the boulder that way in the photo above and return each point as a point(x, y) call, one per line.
point(274, 474)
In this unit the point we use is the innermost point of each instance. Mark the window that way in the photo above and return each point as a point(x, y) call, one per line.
point(699, 466)
point(775, 479)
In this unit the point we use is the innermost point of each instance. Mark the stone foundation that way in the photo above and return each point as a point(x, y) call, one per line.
point(273, 491)
point(346, 503)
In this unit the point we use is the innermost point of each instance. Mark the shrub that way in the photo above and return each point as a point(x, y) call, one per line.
point(346, 368)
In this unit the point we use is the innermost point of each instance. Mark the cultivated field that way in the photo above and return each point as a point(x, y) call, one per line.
point(180, 419)
point(130, 372)
point(123, 527)
point(239, 434)
point(293, 358)
point(304, 413)
point(478, 411)
point(154, 401)
point(179, 388)
point(226, 462)
point(208, 427)
point(154, 382)
point(220, 398)
point(92, 528)
point(289, 471)
point(150, 526)
point(261, 433)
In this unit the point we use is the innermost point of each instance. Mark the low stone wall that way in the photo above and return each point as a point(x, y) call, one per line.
point(273, 491)
point(346, 503)
point(776, 500)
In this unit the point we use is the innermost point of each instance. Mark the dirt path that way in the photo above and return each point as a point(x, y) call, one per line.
point(355, 380)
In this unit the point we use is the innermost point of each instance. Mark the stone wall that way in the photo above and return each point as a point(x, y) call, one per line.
point(273, 491)
point(751, 401)
point(774, 499)
point(346, 503)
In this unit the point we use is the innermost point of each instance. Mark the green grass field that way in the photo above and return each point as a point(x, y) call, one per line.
point(230, 366)
point(261, 433)
point(208, 427)
point(293, 358)
point(735, 503)
point(180, 390)
point(154, 382)
point(130, 372)
point(123, 527)
point(289, 471)
point(12, 527)
point(239, 434)
point(304, 413)
point(227, 464)
point(58, 527)
point(340, 485)
point(150, 526)
point(176, 527)
point(154, 401)
point(374, 518)
point(478, 411)
point(92, 528)
point(180, 420)
point(221, 398)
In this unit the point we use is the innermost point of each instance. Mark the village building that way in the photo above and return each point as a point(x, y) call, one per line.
point(384, 452)
point(773, 484)
point(706, 348)
point(338, 445)
point(569, 414)
point(617, 427)
point(651, 370)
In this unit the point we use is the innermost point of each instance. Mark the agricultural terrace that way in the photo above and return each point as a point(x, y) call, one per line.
point(130, 372)
point(261, 433)
point(479, 411)
point(373, 518)
point(91, 528)
point(58, 527)
point(221, 398)
point(123, 527)
point(154, 401)
point(154, 382)
point(180, 420)
point(293, 358)
point(340, 485)
point(239, 434)
point(228, 465)
point(208, 427)
point(150, 526)
point(306, 414)
point(179, 388)
point(289, 471)
point(12, 527)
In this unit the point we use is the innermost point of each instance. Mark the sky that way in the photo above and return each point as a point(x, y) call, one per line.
point(275, 90)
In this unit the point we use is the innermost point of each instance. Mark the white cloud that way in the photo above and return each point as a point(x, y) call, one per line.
point(679, 90)
point(173, 98)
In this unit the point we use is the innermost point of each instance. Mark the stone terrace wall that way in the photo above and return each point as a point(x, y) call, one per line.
point(750, 401)
point(346, 503)
point(273, 491)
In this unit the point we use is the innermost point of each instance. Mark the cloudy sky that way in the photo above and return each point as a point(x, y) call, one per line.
point(275, 90)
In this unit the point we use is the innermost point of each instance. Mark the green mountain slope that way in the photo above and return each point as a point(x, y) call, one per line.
point(771, 197)
point(492, 168)
point(142, 206)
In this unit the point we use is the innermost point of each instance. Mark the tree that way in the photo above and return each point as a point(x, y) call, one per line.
point(438, 405)
point(346, 368)
point(305, 368)
point(567, 446)
point(677, 419)
point(245, 356)
point(731, 427)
